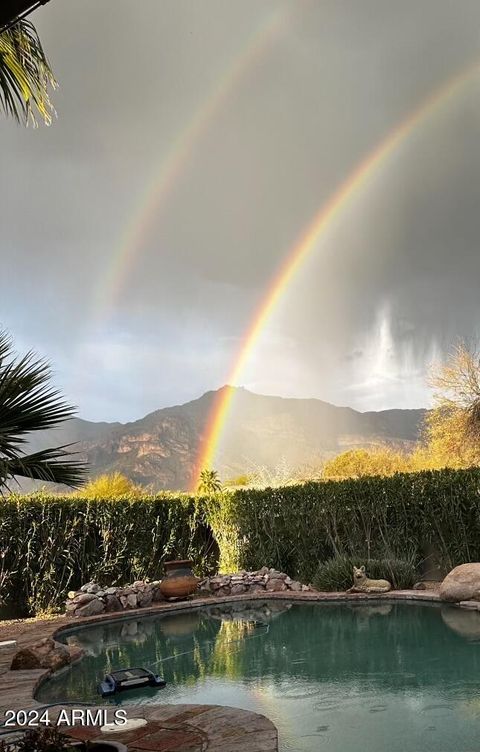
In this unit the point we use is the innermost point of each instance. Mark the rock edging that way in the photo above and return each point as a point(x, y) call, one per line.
point(263, 580)
point(91, 599)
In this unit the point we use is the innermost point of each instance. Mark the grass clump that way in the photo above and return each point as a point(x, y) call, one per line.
point(109, 486)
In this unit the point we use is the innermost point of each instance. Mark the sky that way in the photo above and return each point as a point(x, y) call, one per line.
point(234, 122)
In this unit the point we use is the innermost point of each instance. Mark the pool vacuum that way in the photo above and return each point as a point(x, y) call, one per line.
point(129, 678)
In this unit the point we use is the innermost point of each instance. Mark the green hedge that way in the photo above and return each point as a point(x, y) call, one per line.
point(49, 545)
point(295, 528)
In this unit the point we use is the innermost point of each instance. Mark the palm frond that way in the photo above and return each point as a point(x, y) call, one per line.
point(48, 465)
point(25, 75)
point(28, 403)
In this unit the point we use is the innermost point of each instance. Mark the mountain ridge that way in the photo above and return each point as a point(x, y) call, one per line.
point(161, 448)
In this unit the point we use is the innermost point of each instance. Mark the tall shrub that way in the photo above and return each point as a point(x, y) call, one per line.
point(49, 545)
point(296, 527)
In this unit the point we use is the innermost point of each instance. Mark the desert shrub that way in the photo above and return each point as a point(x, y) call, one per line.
point(239, 480)
point(336, 574)
point(355, 463)
point(109, 486)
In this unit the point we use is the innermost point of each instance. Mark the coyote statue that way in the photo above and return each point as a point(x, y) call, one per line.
point(361, 583)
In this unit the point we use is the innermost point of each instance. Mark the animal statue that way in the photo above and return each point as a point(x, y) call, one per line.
point(362, 584)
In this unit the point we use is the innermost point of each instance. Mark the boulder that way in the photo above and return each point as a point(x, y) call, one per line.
point(44, 654)
point(112, 603)
point(83, 598)
point(237, 588)
point(145, 599)
point(461, 584)
point(278, 575)
point(86, 588)
point(90, 609)
point(256, 589)
point(131, 600)
point(157, 595)
point(273, 584)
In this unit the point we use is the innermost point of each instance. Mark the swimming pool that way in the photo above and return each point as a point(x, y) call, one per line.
point(343, 677)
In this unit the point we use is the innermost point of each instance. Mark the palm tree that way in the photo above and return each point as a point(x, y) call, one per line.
point(28, 403)
point(209, 482)
point(25, 75)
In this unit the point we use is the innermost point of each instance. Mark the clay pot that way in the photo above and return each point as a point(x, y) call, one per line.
point(179, 579)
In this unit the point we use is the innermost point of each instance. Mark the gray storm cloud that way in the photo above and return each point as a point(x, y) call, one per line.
point(393, 284)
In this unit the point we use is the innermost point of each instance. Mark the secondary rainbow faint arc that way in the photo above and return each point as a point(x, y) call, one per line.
point(305, 244)
point(172, 165)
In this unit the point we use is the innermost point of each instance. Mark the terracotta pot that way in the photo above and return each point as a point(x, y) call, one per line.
point(179, 579)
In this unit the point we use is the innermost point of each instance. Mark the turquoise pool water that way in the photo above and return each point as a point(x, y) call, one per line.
point(383, 677)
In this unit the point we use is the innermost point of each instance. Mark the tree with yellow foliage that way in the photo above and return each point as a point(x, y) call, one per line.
point(452, 429)
point(380, 460)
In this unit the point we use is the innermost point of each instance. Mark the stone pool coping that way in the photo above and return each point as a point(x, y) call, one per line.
point(184, 728)
point(228, 729)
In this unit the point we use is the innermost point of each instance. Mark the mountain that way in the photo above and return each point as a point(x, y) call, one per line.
point(161, 449)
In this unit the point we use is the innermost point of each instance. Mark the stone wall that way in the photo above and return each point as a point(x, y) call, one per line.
point(92, 599)
point(264, 580)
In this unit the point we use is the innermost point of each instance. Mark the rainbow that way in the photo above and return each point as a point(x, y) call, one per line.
point(166, 173)
point(306, 243)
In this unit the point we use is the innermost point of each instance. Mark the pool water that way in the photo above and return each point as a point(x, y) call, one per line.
point(382, 677)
